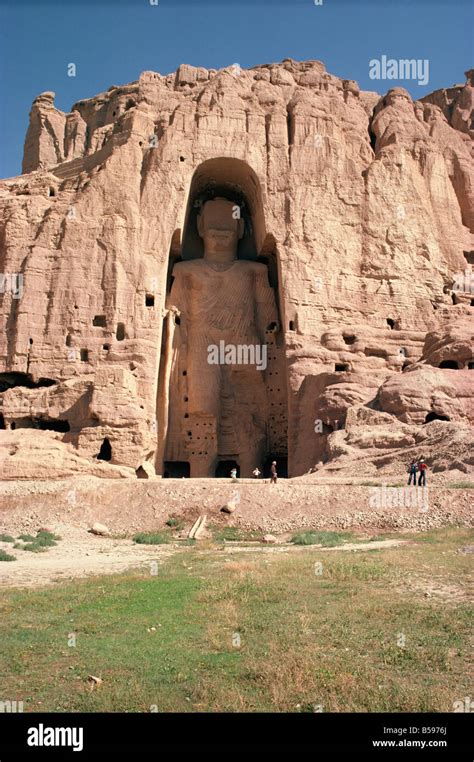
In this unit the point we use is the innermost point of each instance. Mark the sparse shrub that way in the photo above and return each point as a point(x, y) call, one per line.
point(6, 538)
point(42, 541)
point(326, 539)
point(151, 538)
point(235, 534)
point(4, 556)
point(174, 523)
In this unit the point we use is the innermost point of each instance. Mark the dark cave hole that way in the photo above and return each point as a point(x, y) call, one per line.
point(449, 364)
point(435, 417)
point(281, 466)
point(9, 380)
point(105, 452)
point(176, 469)
point(224, 467)
point(53, 425)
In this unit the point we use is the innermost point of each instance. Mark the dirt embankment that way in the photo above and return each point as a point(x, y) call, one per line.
point(127, 506)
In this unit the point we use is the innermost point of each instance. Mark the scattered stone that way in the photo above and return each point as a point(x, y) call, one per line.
point(100, 529)
point(228, 508)
point(94, 681)
point(269, 538)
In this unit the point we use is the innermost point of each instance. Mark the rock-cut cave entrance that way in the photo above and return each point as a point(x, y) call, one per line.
point(222, 391)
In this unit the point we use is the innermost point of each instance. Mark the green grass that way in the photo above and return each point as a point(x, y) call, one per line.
point(326, 539)
point(309, 634)
point(174, 523)
point(235, 534)
point(43, 540)
point(461, 485)
point(152, 538)
point(4, 556)
point(6, 538)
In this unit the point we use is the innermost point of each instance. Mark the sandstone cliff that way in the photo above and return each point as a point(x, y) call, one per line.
point(361, 207)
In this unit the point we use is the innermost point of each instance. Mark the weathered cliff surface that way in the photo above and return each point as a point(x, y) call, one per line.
point(361, 206)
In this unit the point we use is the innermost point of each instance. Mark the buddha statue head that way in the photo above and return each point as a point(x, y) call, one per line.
point(221, 227)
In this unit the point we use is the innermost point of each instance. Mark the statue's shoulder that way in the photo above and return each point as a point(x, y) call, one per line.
point(249, 264)
point(186, 266)
point(257, 267)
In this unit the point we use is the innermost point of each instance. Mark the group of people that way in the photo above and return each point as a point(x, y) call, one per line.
point(256, 473)
point(417, 467)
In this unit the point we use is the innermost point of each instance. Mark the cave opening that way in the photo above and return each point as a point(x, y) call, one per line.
point(435, 417)
point(11, 379)
point(2, 421)
point(176, 469)
point(44, 424)
point(281, 465)
point(224, 467)
point(47, 424)
point(449, 364)
point(105, 452)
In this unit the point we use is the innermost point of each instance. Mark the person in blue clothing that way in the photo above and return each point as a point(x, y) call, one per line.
point(412, 470)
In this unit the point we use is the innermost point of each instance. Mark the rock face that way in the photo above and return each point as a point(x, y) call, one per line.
point(354, 211)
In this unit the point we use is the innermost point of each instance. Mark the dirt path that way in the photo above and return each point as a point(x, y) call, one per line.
point(77, 554)
point(80, 554)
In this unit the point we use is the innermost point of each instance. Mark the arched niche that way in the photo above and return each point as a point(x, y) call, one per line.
point(233, 179)
point(236, 181)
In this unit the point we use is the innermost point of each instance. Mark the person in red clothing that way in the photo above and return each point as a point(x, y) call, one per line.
point(422, 469)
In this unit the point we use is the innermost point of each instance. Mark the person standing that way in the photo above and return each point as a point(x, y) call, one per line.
point(412, 469)
point(274, 474)
point(233, 474)
point(256, 472)
point(422, 467)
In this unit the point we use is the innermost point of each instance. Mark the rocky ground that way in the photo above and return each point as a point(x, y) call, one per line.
point(71, 507)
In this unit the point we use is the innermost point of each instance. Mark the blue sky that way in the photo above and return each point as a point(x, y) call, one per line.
point(112, 41)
